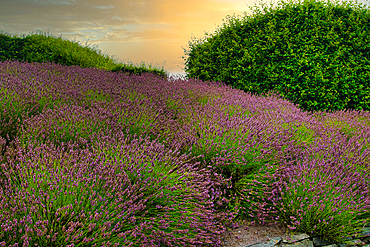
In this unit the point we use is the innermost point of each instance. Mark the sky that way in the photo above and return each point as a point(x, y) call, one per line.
point(154, 32)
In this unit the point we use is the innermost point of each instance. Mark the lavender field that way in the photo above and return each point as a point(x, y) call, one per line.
point(97, 158)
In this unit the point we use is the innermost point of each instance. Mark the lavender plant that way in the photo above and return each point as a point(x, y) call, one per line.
point(121, 195)
point(106, 158)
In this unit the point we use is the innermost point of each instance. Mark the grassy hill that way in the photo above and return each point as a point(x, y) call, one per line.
point(41, 47)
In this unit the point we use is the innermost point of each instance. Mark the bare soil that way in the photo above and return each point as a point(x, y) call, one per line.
point(253, 233)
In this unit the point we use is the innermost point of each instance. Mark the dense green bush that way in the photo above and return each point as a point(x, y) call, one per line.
point(10, 47)
point(316, 56)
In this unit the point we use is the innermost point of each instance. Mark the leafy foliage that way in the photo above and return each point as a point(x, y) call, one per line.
point(315, 55)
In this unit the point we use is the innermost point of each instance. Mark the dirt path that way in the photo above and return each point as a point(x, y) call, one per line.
point(253, 234)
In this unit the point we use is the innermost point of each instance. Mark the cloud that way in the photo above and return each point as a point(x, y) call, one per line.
point(147, 19)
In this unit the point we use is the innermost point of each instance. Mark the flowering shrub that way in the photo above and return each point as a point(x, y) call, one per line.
point(96, 158)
